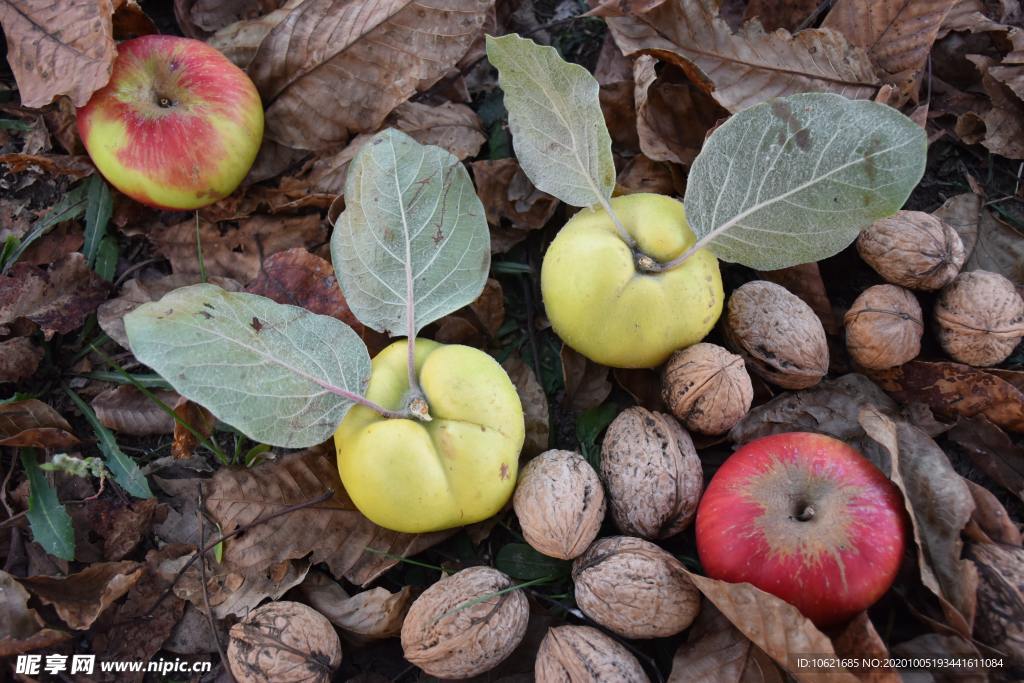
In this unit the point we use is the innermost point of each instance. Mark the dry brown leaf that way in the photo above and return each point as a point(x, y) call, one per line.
point(860, 641)
point(130, 21)
point(619, 111)
point(121, 524)
point(586, 383)
point(333, 531)
point(21, 628)
point(1000, 598)
point(213, 15)
point(940, 505)
point(999, 248)
point(787, 14)
point(962, 213)
point(716, 652)
point(33, 424)
point(805, 281)
point(236, 250)
point(54, 49)
point(750, 66)
point(513, 205)
point(352, 63)
point(641, 174)
point(372, 614)
point(771, 624)
point(19, 358)
point(991, 451)
point(80, 598)
point(643, 385)
point(1000, 129)
point(302, 279)
point(454, 127)
point(127, 410)
point(58, 299)
point(991, 517)
point(897, 34)
point(535, 405)
point(672, 115)
point(132, 637)
point(946, 646)
point(192, 634)
point(148, 286)
point(198, 418)
point(953, 389)
point(241, 40)
point(74, 167)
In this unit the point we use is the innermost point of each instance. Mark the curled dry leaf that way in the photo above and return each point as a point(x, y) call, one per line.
point(333, 531)
point(582, 653)
point(21, 628)
point(787, 14)
point(1000, 621)
point(80, 598)
point(236, 251)
point(65, 49)
point(74, 167)
point(716, 652)
point(999, 248)
point(954, 389)
point(121, 525)
point(744, 68)
point(991, 519)
point(884, 327)
point(58, 299)
point(992, 451)
point(913, 249)
point(535, 405)
point(33, 424)
point(127, 410)
point(354, 63)
point(980, 318)
point(375, 613)
point(634, 588)
point(707, 388)
point(284, 641)
point(19, 358)
point(560, 504)
point(653, 473)
point(513, 205)
point(859, 639)
point(962, 212)
point(199, 418)
point(940, 505)
point(148, 286)
point(459, 627)
point(777, 334)
point(586, 383)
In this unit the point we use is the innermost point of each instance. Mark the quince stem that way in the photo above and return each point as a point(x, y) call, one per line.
point(619, 227)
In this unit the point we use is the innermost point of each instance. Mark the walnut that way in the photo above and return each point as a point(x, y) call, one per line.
point(653, 474)
point(582, 653)
point(707, 388)
point(980, 317)
point(634, 588)
point(778, 335)
point(450, 633)
point(884, 327)
point(560, 504)
point(912, 249)
point(1000, 615)
point(283, 641)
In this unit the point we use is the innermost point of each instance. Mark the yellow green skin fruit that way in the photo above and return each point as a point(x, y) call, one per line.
point(459, 468)
point(600, 305)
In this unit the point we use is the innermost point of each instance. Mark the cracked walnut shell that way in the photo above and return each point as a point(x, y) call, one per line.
point(560, 504)
point(582, 653)
point(980, 318)
point(284, 641)
point(634, 588)
point(912, 249)
point(884, 327)
point(653, 474)
point(777, 334)
point(450, 632)
point(707, 388)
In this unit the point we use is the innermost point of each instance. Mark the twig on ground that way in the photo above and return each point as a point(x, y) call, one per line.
point(206, 590)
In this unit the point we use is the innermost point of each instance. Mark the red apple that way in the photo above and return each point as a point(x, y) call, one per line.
point(178, 125)
point(806, 518)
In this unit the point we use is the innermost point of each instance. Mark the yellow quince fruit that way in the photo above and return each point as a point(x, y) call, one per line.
point(601, 304)
point(460, 467)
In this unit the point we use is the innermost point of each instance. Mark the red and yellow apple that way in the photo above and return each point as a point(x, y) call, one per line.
point(807, 518)
point(177, 127)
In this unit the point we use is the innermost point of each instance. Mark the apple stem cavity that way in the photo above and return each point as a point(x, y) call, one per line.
point(804, 512)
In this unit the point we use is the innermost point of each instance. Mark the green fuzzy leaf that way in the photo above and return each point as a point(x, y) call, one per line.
point(279, 374)
point(521, 561)
point(124, 470)
point(413, 239)
point(558, 129)
point(795, 179)
point(49, 521)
